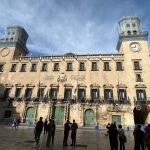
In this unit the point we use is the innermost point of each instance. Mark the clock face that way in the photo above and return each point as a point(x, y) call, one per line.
point(4, 52)
point(135, 46)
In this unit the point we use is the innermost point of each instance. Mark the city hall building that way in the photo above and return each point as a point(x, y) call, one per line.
point(90, 88)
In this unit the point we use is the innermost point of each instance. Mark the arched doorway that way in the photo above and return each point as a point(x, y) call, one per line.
point(140, 115)
point(59, 115)
point(89, 117)
point(30, 114)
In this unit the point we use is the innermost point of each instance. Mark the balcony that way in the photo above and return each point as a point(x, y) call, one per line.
point(141, 101)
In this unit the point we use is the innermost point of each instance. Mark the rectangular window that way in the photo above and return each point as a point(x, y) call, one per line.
point(13, 68)
point(28, 92)
point(139, 78)
point(7, 114)
point(69, 66)
point(44, 67)
point(141, 95)
point(33, 67)
point(94, 94)
point(122, 95)
point(7, 92)
point(119, 66)
point(40, 93)
point(56, 66)
point(106, 66)
point(108, 94)
point(81, 95)
point(23, 68)
point(94, 66)
point(137, 65)
point(18, 92)
point(81, 66)
point(53, 93)
point(1, 67)
point(67, 94)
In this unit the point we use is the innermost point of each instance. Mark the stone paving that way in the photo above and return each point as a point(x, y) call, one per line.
point(22, 139)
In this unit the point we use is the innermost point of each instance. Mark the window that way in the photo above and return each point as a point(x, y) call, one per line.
point(122, 96)
point(1, 67)
point(28, 92)
point(129, 32)
point(135, 32)
point(106, 66)
point(94, 66)
point(137, 65)
point(7, 92)
point(108, 94)
point(138, 78)
point(128, 25)
point(7, 114)
point(53, 93)
point(81, 95)
point(67, 94)
point(56, 66)
point(18, 92)
point(133, 25)
point(44, 67)
point(33, 67)
point(69, 66)
point(13, 68)
point(94, 94)
point(23, 68)
point(119, 66)
point(81, 66)
point(141, 94)
point(40, 93)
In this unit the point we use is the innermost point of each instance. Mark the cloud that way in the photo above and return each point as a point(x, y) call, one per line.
point(58, 27)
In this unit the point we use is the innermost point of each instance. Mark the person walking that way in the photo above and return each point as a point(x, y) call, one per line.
point(122, 137)
point(14, 124)
point(113, 137)
point(74, 128)
point(66, 132)
point(37, 131)
point(45, 126)
point(138, 138)
point(51, 127)
point(108, 127)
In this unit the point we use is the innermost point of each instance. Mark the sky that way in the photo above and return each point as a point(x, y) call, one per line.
point(79, 26)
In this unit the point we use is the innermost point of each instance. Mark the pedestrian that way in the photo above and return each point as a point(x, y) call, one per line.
point(122, 137)
point(51, 127)
point(113, 137)
point(14, 124)
point(108, 127)
point(138, 138)
point(66, 132)
point(45, 126)
point(74, 128)
point(147, 136)
point(37, 131)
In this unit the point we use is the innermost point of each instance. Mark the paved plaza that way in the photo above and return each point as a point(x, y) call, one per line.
point(87, 139)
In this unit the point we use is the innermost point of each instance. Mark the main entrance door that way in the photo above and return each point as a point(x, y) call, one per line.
point(59, 115)
point(30, 114)
point(89, 118)
point(117, 119)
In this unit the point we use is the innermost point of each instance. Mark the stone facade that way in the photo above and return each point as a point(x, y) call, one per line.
point(93, 88)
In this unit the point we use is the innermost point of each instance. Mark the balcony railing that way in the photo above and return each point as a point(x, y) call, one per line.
point(141, 101)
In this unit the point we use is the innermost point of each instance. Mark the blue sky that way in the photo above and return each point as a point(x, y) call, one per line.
point(79, 26)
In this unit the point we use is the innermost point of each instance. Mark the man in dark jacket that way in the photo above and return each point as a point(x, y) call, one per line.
point(74, 128)
point(37, 131)
point(66, 132)
point(138, 138)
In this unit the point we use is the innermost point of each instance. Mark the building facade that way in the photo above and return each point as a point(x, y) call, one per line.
point(93, 88)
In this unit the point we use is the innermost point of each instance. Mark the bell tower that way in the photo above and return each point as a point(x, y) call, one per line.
point(129, 30)
point(15, 38)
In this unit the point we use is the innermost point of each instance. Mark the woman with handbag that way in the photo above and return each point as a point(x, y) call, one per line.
point(122, 137)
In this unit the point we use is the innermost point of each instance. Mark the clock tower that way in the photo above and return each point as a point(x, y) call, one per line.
point(131, 35)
